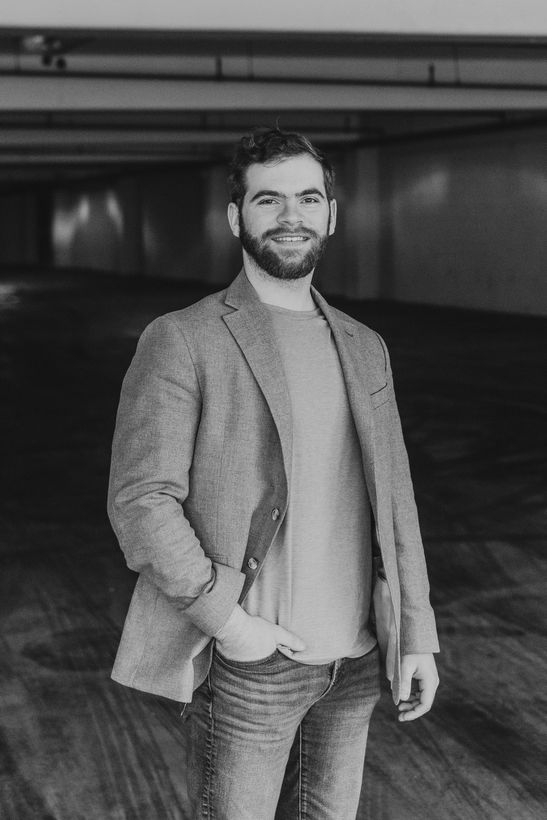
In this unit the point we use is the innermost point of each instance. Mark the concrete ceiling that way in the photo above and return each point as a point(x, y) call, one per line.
point(74, 102)
point(472, 18)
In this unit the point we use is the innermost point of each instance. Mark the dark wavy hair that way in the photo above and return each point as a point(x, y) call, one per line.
point(267, 144)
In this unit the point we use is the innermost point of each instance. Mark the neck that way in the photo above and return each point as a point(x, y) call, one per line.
point(294, 294)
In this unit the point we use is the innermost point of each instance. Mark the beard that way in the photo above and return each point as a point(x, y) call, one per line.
point(289, 267)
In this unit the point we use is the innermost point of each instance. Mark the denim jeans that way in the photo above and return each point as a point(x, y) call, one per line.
point(279, 739)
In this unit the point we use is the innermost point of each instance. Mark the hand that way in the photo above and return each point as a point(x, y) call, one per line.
point(424, 670)
point(248, 638)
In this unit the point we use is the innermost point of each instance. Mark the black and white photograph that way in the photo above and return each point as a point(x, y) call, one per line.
point(273, 393)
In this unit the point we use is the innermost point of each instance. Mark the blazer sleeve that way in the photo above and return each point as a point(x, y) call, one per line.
point(418, 629)
point(156, 426)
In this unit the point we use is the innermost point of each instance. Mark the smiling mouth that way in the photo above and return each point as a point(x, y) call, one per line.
point(291, 238)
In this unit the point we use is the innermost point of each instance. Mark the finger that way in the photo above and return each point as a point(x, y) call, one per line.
point(415, 712)
point(409, 704)
point(406, 681)
point(428, 687)
point(289, 639)
point(424, 704)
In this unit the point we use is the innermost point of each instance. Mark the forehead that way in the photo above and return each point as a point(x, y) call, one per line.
point(288, 176)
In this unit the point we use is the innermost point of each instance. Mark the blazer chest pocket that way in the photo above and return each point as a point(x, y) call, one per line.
point(380, 396)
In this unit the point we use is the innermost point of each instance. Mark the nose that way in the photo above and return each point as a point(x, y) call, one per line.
point(289, 214)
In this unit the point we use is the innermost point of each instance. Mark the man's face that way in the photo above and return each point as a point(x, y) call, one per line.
point(285, 218)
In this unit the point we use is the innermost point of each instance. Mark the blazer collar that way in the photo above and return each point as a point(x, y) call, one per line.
point(251, 327)
point(353, 359)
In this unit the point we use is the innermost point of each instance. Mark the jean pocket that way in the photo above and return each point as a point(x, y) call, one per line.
point(253, 665)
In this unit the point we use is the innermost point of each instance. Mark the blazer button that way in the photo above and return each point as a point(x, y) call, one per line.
point(275, 513)
point(252, 563)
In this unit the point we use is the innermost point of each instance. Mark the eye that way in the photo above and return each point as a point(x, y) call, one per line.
point(267, 201)
point(310, 200)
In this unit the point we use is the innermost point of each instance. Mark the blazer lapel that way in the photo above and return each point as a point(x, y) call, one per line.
point(354, 367)
point(251, 327)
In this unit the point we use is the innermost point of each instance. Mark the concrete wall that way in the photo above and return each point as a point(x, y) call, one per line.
point(19, 234)
point(169, 223)
point(465, 223)
point(88, 228)
point(456, 222)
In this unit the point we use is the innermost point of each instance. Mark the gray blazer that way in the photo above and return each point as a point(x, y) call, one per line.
point(199, 485)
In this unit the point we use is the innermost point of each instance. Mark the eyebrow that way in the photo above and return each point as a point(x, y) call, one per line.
point(279, 195)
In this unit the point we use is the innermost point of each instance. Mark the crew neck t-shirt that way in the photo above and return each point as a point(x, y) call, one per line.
point(316, 578)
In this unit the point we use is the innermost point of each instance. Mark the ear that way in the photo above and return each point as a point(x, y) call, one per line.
point(333, 212)
point(233, 218)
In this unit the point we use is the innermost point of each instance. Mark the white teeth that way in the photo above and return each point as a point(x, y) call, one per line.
point(289, 238)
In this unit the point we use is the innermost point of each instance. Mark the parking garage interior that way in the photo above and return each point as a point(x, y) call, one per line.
point(114, 144)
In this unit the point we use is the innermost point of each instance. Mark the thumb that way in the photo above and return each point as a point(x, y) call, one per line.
point(406, 680)
point(289, 639)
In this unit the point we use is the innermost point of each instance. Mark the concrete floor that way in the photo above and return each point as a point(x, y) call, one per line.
point(473, 397)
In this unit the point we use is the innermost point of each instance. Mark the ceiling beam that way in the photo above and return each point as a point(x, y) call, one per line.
point(140, 158)
point(144, 138)
point(67, 93)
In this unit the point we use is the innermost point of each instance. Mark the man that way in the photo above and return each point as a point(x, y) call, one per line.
point(257, 457)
